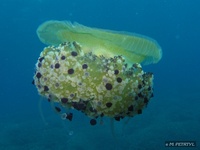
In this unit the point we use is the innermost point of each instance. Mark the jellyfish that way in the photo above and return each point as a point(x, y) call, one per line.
point(97, 72)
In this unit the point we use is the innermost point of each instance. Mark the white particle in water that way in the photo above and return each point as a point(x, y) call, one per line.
point(71, 133)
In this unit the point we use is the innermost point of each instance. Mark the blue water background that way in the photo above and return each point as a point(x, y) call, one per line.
point(173, 114)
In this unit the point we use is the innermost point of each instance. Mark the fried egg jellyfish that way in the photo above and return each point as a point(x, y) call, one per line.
point(95, 71)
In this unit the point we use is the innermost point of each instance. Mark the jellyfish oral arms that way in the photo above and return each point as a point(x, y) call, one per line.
point(96, 86)
point(134, 48)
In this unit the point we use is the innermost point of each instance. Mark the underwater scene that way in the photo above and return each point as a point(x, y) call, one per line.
point(93, 75)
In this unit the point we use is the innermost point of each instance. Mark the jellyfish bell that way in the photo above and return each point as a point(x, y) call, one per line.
point(86, 69)
point(134, 48)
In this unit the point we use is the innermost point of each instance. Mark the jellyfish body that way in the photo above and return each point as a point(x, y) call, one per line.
point(134, 48)
point(95, 71)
